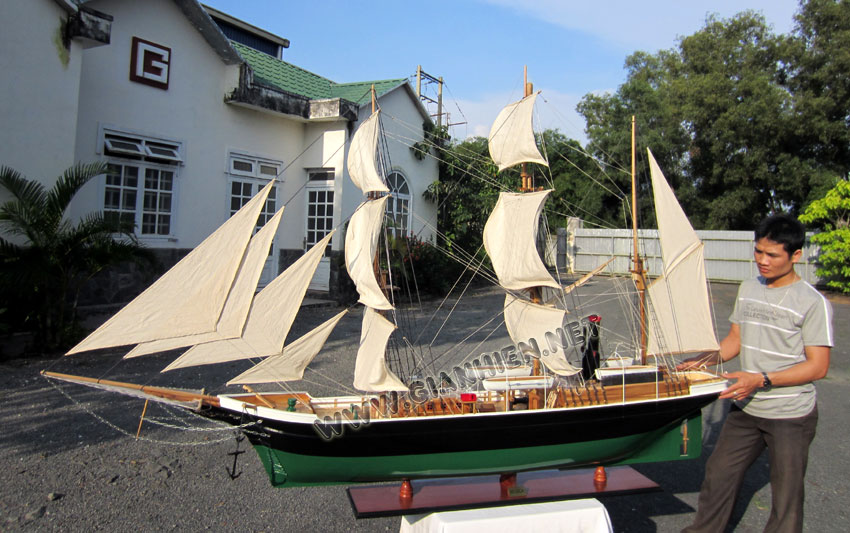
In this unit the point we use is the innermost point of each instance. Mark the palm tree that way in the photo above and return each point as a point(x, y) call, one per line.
point(51, 258)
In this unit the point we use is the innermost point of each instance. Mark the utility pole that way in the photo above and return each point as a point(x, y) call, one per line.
point(421, 76)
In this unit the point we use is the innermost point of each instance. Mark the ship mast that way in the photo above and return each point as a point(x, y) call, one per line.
point(527, 182)
point(528, 88)
point(637, 270)
point(534, 293)
point(376, 264)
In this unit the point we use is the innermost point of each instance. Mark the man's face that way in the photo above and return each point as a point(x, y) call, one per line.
point(773, 261)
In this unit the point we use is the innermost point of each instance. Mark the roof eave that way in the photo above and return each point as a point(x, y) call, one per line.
point(89, 27)
point(209, 30)
point(68, 5)
point(411, 93)
point(269, 99)
point(280, 41)
point(327, 109)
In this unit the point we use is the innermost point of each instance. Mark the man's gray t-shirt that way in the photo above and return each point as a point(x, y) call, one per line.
point(776, 325)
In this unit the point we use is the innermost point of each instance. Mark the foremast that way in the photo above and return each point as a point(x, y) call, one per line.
point(371, 373)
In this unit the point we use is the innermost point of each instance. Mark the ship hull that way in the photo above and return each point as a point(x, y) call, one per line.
point(299, 453)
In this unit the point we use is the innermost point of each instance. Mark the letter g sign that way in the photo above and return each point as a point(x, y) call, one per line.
point(149, 63)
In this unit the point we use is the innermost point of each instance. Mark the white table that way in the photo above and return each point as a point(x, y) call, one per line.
point(585, 516)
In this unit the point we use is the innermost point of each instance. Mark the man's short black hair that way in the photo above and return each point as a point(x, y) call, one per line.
point(783, 229)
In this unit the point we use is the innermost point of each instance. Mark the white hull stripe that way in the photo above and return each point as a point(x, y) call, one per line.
point(232, 403)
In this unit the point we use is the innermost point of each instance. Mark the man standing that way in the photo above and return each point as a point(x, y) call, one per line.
point(782, 329)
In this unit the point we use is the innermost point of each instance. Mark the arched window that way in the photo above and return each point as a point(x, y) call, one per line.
point(398, 205)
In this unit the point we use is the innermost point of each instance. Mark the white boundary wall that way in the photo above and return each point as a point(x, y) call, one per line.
point(728, 254)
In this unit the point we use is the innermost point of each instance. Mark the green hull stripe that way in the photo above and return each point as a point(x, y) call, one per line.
point(294, 470)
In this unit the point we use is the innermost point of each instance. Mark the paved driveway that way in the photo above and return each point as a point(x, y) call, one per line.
point(68, 463)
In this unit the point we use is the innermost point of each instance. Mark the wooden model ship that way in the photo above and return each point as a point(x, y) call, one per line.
point(534, 412)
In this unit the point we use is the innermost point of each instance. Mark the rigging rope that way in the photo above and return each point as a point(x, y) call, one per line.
point(223, 426)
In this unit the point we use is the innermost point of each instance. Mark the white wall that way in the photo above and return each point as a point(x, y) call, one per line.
point(402, 124)
point(39, 85)
point(326, 152)
point(75, 104)
point(192, 111)
point(728, 254)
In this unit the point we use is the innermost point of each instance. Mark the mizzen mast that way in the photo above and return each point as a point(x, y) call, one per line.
point(637, 269)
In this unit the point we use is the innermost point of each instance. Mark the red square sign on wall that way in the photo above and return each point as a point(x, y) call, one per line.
point(149, 63)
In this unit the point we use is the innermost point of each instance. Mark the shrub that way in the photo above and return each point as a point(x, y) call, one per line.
point(831, 214)
point(47, 258)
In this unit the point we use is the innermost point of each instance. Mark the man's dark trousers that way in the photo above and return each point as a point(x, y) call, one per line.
point(741, 441)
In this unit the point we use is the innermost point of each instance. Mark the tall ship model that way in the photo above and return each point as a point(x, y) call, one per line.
point(532, 408)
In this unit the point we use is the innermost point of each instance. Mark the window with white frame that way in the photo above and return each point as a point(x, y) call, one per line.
point(241, 191)
point(245, 165)
point(398, 205)
point(320, 174)
point(249, 174)
point(320, 215)
point(320, 205)
point(140, 182)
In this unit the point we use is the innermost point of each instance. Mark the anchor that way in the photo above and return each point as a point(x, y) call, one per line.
point(239, 438)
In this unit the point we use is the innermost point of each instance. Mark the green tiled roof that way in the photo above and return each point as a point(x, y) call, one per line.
point(285, 76)
point(358, 92)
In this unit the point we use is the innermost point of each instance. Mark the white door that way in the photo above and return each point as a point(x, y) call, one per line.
point(320, 222)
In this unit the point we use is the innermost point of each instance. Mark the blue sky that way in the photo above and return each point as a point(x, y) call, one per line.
point(479, 47)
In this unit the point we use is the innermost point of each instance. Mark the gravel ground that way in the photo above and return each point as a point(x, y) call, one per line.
point(71, 463)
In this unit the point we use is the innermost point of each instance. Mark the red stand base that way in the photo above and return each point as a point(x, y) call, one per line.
point(443, 494)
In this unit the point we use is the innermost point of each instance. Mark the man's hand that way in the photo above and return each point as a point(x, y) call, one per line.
point(747, 383)
point(729, 348)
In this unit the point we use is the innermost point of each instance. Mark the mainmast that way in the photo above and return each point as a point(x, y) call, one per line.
point(528, 186)
point(534, 293)
point(637, 270)
point(510, 233)
point(527, 182)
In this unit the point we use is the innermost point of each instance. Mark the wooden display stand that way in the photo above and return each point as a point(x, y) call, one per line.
point(444, 494)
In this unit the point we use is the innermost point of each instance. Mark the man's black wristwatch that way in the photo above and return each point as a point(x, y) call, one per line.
point(766, 384)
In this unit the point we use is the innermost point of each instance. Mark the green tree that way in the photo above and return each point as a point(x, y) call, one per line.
point(470, 184)
point(742, 156)
point(578, 189)
point(466, 192)
point(743, 121)
point(648, 96)
point(818, 79)
point(831, 214)
point(47, 259)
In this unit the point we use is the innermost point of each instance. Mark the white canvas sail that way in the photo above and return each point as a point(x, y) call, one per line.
point(370, 371)
point(269, 319)
point(511, 138)
point(680, 318)
point(361, 243)
point(509, 238)
point(526, 320)
point(361, 157)
point(290, 365)
point(189, 298)
point(238, 302)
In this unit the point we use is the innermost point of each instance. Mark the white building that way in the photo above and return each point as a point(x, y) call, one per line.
point(195, 111)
